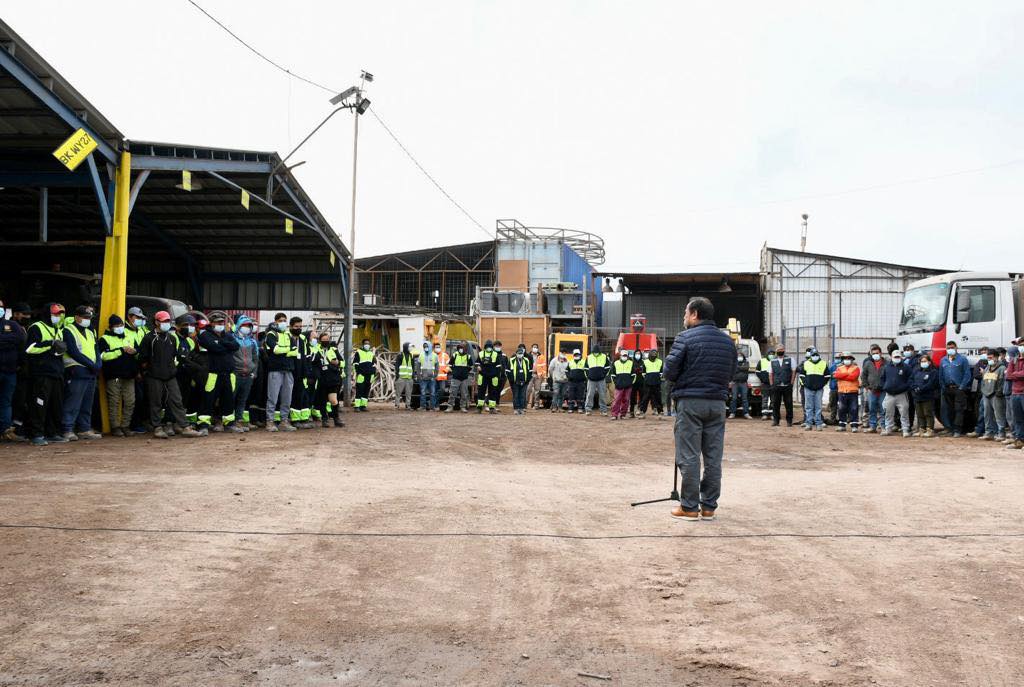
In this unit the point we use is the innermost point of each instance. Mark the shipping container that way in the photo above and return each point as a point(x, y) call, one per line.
point(833, 303)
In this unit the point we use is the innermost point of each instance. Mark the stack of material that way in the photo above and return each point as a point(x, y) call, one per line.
point(383, 387)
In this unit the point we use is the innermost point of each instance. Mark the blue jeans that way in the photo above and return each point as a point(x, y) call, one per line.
point(1017, 403)
point(428, 394)
point(7, 382)
point(739, 391)
point(812, 407)
point(243, 385)
point(699, 429)
point(874, 409)
point(519, 396)
point(979, 428)
point(78, 395)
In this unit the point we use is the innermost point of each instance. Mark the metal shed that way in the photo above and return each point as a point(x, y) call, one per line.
point(832, 302)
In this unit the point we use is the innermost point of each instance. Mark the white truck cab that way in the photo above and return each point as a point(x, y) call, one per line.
point(974, 309)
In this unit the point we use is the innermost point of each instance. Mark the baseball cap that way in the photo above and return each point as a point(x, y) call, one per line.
point(162, 316)
point(56, 309)
point(84, 311)
point(137, 312)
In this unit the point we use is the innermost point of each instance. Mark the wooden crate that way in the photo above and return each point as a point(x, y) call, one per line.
point(513, 330)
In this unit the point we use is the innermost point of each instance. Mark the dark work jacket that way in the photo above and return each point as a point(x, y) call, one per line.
point(302, 363)
point(118, 364)
point(12, 344)
point(44, 362)
point(814, 376)
point(925, 383)
point(895, 378)
point(461, 365)
point(158, 355)
point(701, 362)
point(220, 350)
point(782, 371)
point(274, 344)
point(742, 372)
point(622, 374)
point(519, 370)
point(652, 371)
point(576, 370)
point(597, 367)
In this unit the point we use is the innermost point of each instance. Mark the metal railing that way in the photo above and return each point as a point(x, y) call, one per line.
point(589, 246)
point(821, 336)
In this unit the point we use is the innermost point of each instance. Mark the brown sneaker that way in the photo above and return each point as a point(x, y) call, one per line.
point(686, 515)
point(1017, 444)
point(706, 514)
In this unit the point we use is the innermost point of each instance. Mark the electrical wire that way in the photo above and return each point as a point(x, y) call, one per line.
point(315, 84)
point(522, 535)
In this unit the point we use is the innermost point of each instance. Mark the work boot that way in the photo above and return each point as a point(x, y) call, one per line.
point(159, 433)
point(685, 515)
point(271, 427)
point(187, 431)
point(39, 441)
point(117, 432)
point(448, 409)
point(57, 439)
point(972, 435)
point(928, 435)
point(235, 429)
point(11, 435)
point(464, 410)
point(885, 433)
point(90, 435)
point(1018, 444)
point(707, 514)
point(169, 430)
point(286, 426)
point(338, 422)
point(70, 436)
point(218, 427)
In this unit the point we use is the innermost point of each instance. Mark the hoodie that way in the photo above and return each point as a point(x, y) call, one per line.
point(247, 357)
point(992, 379)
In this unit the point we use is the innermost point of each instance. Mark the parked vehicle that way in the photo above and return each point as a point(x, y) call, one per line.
point(974, 309)
point(39, 287)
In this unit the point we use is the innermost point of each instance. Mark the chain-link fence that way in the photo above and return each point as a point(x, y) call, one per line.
point(821, 336)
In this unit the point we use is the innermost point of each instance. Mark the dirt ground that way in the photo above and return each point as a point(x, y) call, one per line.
point(427, 549)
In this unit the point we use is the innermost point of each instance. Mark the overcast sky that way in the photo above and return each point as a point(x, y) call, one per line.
point(679, 131)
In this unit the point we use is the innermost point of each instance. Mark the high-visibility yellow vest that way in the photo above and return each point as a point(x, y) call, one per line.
point(405, 366)
point(86, 345)
point(652, 365)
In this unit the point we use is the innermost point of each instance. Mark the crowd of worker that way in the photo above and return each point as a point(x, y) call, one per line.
point(904, 392)
point(189, 376)
point(578, 383)
point(216, 373)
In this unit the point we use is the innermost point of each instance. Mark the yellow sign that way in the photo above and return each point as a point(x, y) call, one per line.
point(186, 180)
point(332, 258)
point(73, 151)
point(245, 199)
point(289, 228)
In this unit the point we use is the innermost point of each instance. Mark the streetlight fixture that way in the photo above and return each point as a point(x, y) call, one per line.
point(803, 233)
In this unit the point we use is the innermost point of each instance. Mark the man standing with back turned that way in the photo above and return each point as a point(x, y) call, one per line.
point(698, 370)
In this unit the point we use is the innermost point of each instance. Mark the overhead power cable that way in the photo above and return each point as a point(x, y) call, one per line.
point(328, 89)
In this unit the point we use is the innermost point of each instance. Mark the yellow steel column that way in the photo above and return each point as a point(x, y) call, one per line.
point(115, 264)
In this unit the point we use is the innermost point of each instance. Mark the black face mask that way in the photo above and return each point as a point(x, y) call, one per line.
point(325, 344)
point(296, 330)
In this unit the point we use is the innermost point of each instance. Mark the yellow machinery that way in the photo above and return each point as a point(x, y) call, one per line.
point(565, 343)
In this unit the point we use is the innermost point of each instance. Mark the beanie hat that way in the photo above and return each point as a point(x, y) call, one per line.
point(115, 320)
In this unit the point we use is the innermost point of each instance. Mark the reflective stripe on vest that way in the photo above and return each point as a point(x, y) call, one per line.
point(46, 333)
point(86, 346)
point(652, 365)
point(815, 368)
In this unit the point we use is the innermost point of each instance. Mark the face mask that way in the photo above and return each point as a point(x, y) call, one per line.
point(519, 354)
point(325, 344)
point(140, 322)
point(246, 331)
point(282, 326)
point(897, 360)
point(876, 356)
point(991, 361)
point(191, 329)
point(780, 354)
point(925, 364)
point(848, 361)
point(461, 350)
point(488, 348)
point(535, 349)
point(297, 331)
point(437, 349)
point(55, 319)
point(165, 326)
point(119, 331)
point(908, 354)
point(366, 347)
point(624, 357)
point(951, 352)
point(498, 349)
point(815, 358)
point(85, 323)
point(739, 358)
point(577, 357)
point(218, 328)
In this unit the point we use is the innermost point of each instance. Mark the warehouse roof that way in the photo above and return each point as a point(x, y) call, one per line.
point(458, 257)
point(49, 214)
point(823, 256)
point(636, 280)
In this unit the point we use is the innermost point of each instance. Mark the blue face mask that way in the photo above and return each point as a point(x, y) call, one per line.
point(119, 331)
point(55, 319)
point(140, 322)
point(165, 326)
point(85, 323)
point(246, 331)
point(282, 326)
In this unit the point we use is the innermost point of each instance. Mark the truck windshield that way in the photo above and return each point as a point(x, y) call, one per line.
point(924, 308)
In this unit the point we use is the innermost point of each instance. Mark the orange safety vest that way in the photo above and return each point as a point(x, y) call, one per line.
point(540, 366)
point(442, 366)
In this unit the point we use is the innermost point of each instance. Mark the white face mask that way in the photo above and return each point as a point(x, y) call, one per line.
point(897, 360)
point(366, 347)
point(55, 319)
point(535, 349)
point(498, 349)
point(191, 329)
point(951, 352)
point(1020, 349)
point(85, 323)
point(119, 331)
point(848, 361)
point(218, 328)
point(925, 364)
point(625, 357)
point(876, 356)
point(815, 358)
point(739, 358)
point(246, 331)
point(165, 326)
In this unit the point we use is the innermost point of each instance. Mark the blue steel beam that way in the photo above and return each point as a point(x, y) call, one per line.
point(40, 92)
point(101, 194)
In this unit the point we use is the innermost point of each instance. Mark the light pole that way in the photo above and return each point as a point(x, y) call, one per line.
point(359, 105)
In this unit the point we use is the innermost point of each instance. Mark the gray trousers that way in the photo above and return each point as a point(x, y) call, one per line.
point(890, 405)
point(403, 389)
point(600, 388)
point(558, 392)
point(995, 415)
point(164, 395)
point(458, 389)
point(699, 430)
point(279, 393)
